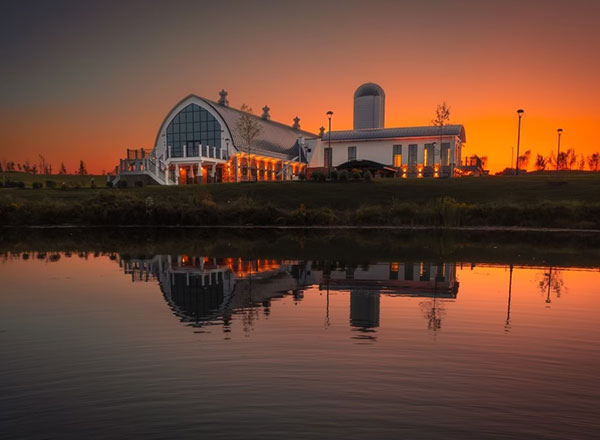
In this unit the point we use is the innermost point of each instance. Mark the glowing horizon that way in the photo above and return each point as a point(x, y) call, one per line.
point(90, 80)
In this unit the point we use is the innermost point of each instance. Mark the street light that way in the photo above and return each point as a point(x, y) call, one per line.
point(329, 152)
point(520, 113)
point(559, 131)
point(433, 145)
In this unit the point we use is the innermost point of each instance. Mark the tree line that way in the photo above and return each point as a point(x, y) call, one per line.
point(42, 167)
point(566, 160)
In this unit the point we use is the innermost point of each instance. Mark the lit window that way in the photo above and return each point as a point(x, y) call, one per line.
point(397, 156)
point(191, 127)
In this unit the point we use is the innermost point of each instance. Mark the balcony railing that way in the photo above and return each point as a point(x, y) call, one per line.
point(197, 151)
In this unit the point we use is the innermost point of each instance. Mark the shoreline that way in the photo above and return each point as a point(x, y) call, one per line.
point(317, 227)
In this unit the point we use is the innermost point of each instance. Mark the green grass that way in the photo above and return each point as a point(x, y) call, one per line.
point(59, 179)
point(547, 200)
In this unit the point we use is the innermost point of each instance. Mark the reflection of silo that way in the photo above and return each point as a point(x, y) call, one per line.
point(364, 309)
point(369, 106)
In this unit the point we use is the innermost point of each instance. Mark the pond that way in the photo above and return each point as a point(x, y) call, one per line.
point(225, 334)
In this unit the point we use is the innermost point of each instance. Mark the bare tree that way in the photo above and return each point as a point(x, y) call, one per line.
point(581, 163)
point(43, 164)
point(63, 169)
point(442, 117)
point(540, 162)
point(559, 162)
point(594, 161)
point(249, 128)
point(524, 160)
point(571, 158)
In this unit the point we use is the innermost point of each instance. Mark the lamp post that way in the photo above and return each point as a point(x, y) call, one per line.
point(329, 152)
point(433, 145)
point(520, 113)
point(227, 156)
point(559, 131)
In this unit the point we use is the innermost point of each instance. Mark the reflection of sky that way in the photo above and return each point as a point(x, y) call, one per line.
point(85, 79)
point(78, 337)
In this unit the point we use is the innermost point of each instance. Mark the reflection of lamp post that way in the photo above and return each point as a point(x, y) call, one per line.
point(507, 325)
point(559, 131)
point(329, 152)
point(520, 113)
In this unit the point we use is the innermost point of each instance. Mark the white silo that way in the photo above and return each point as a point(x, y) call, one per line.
point(369, 106)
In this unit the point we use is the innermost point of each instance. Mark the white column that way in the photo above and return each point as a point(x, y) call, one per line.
point(200, 171)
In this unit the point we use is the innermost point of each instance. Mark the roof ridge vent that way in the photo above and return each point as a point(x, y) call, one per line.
point(296, 123)
point(265, 115)
point(223, 98)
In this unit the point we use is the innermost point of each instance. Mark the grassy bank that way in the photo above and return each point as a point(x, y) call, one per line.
point(563, 200)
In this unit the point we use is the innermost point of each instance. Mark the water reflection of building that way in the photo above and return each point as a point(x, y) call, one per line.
point(366, 284)
point(202, 290)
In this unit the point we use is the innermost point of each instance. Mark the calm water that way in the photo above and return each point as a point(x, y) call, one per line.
point(184, 346)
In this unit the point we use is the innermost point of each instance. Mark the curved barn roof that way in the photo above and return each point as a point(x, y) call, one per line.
point(400, 132)
point(275, 139)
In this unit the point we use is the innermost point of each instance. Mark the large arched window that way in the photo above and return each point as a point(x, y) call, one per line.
point(193, 126)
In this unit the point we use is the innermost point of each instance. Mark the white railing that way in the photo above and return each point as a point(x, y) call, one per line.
point(197, 151)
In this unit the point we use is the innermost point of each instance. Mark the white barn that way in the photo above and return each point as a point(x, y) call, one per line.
point(427, 151)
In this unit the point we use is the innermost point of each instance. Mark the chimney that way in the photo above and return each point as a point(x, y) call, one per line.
point(265, 115)
point(223, 100)
point(296, 123)
point(321, 131)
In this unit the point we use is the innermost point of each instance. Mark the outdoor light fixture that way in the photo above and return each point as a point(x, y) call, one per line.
point(329, 152)
point(559, 131)
point(520, 113)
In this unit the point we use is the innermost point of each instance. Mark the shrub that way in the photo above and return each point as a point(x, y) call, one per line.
point(1, 184)
point(139, 183)
point(20, 185)
point(37, 185)
point(64, 186)
point(343, 175)
point(122, 184)
point(356, 174)
point(368, 176)
point(50, 184)
point(334, 174)
point(93, 184)
point(318, 176)
point(109, 184)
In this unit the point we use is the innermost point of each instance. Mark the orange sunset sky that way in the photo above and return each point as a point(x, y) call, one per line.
point(86, 80)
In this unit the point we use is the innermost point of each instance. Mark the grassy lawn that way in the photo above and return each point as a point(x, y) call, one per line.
point(346, 195)
point(69, 179)
point(564, 191)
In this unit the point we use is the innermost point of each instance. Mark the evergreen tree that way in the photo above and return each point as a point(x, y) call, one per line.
point(82, 170)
